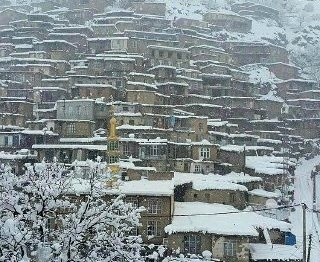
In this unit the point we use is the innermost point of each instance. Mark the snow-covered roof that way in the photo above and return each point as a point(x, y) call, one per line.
point(219, 219)
point(136, 187)
point(234, 177)
point(206, 182)
point(263, 193)
point(269, 165)
point(274, 252)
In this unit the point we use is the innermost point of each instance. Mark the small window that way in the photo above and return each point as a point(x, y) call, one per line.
point(195, 196)
point(205, 152)
point(152, 228)
point(161, 53)
point(154, 150)
point(197, 168)
point(125, 108)
point(154, 206)
point(230, 248)
point(71, 129)
point(132, 200)
point(207, 196)
point(131, 122)
point(232, 197)
point(179, 55)
point(169, 54)
point(192, 244)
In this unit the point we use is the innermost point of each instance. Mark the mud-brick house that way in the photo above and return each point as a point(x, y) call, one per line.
point(307, 128)
point(47, 96)
point(177, 91)
point(166, 55)
point(68, 153)
point(234, 155)
point(197, 227)
point(189, 23)
point(116, 81)
point(156, 196)
point(312, 94)
point(100, 45)
point(229, 21)
point(273, 107)
point(17, 160)
point(6, 49)
point(93, 91)
point(111, 66)
point(206, 188)
point(79, 40)
point(249, 53)
point(57, 49)
point(294, 86)
point(33, 78)
point(193, 78)
point(255, 10)
point(149, 8)
point(17, 106)
point(24, 139)
point(152, 23)
point(216, 85)
point(206, 52)
point(83, 109)
point(153, 152)
point(146, 97)
point(284, 71)
point(85, 30)
point(8, 15)
point(164, 73)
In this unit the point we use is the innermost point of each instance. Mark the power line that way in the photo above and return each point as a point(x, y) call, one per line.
point(231, 212)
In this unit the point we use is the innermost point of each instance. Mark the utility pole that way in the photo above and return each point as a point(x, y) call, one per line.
point(304, 232)
point(309, 248)
point(314, 192)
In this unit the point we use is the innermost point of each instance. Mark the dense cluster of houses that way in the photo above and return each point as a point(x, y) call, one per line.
point(171, 107)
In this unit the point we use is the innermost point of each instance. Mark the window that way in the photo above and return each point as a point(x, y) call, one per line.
point(232, 197)
point(125, 108)
point(197, 168)
point(154, 206)
point(192, 244)
point(71, 128)
point(205, 152)
point(125, 149)
point(195, 196)
point(154, 150)
point(207, 196)
point(131, 122)
point(133, 201)
point(230, 248)
point(152, 228)
point(169, 54)
point(113, 145)
point(179, 55)
point(113, 159)
point(161, 53)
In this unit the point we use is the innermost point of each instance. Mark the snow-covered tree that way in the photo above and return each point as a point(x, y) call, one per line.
point(49, 215)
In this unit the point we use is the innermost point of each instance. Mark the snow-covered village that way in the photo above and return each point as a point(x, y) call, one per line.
point(160, 130)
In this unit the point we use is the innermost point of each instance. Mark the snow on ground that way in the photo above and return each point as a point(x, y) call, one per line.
point(303, 194)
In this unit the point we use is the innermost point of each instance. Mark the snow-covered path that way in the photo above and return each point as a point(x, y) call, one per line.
point(303, 194)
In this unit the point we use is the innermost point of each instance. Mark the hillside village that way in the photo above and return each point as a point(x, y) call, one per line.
point(203, 131)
